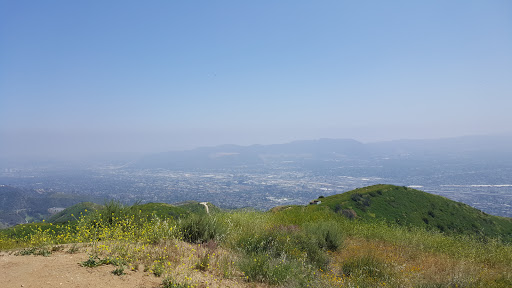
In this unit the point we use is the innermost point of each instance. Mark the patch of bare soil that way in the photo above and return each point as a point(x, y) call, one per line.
point(62, 269)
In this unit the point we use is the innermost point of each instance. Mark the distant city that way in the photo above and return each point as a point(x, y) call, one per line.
point(274, 178)
point(237, 188)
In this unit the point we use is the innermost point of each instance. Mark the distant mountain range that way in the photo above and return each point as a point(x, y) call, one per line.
point(496, 148)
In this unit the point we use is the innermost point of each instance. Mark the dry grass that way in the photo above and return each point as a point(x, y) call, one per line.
point(410, 267)
point(180, 261)
point(358, 254)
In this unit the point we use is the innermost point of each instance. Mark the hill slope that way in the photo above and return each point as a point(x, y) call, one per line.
point(161, 210)
point(407, 206)
point(72, 213)
point(289, 246)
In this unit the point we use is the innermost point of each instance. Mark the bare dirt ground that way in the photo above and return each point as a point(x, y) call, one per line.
point(62, 269)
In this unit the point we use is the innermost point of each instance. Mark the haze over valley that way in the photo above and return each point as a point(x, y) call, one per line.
point(475, 170)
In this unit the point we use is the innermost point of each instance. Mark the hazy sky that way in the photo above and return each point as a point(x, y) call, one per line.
point(90, 76)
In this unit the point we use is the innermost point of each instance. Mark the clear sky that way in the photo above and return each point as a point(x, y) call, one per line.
point(144, 76)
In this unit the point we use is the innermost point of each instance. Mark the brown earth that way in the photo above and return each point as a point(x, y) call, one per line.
point(62, 269)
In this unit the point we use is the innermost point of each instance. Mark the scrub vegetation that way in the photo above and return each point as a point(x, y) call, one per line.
point(409, 207)
point(291, 246)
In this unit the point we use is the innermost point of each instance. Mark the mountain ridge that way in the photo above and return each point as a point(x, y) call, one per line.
point(493, 146)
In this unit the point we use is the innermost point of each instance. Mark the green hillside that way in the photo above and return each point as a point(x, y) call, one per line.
point(342, 242)
point(197, 208)
point(74, 212)
point(161, 210)
point(176, 211)
point(407, 206)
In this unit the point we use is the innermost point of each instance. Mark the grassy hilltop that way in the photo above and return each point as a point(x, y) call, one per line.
point(411, 207)
point(370, 237)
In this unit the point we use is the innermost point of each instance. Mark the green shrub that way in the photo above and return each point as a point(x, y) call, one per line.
point(111, 215)
point(118, 271)
point(93, 262)
point(309, 248)
point(326, 234)
point(158, 269)
point(115, 261)
point(349, 213)
point(42, 251)
point(285, 241)
point(265, 242)
point(199, 229)
point(367, 266)
point(169, 282)
point(338, 208)
point(264, 268)
point(115, 223)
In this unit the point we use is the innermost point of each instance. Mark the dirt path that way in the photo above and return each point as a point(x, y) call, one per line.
point(63, 270)
point(205, 204)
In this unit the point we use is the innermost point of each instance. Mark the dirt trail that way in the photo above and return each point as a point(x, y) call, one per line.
point(205, 204)
point(63, 270)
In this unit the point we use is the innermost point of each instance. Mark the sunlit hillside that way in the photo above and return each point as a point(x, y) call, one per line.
point(319, 245)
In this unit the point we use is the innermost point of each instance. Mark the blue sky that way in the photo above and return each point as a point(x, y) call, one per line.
point(80, 77)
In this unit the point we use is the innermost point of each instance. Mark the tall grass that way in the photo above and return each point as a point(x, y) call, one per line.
point(289, 248)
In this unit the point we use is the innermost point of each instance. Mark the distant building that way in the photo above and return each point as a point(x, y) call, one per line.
point(315, 202)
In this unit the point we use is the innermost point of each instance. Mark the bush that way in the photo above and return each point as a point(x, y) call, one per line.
point(349, 213)
point(117, 223)
point(356, 197)
point(94, 262)
point(158, 269)
point(265, 242)
point(367, 266)
point(327, 235)
point(118, 271)
point(169, 282)
point(199, 229)
point(114, 214)
point(289, 242)
point(264, 268)
point(42, 251)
